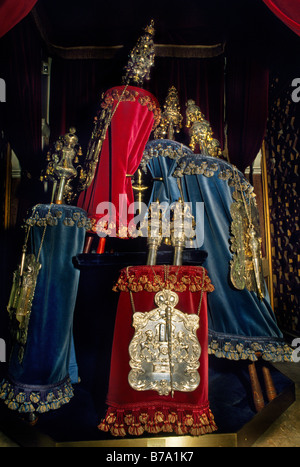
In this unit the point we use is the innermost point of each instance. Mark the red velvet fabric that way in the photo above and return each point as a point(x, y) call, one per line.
point(135, 412)
point(288, 12)
point(12, 12)
point(121, 154)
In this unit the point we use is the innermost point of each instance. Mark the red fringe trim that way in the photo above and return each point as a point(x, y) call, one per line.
point(189, 278)
point(155, 420)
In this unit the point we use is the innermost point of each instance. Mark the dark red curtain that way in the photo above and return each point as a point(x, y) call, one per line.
point(12, 12)
point(75, 95)
point(76, 87)
point(200, 79)
point(288, 12)
point(247, 84)
point(21, 58)
point(21, 114)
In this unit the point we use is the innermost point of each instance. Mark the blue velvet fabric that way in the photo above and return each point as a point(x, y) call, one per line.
point(165, 185)
point(42, 381)
point(240, 325)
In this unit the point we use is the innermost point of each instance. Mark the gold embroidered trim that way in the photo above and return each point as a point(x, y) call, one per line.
point(191, 282)
point(272, 352)
point(25, 400)
point(51, 219)
point(158, 419)
point(131, 95)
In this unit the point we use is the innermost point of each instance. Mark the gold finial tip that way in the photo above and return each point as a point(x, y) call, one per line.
point(149, 29)
point(141, 58)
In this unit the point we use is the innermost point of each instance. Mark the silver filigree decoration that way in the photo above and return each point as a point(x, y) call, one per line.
point(164, 350)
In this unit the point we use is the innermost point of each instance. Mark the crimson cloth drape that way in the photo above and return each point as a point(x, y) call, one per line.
point(130, 127)
point(135, 412)
point(288, 12)
point(76, 87)
point(247, 88)
point(12, 12)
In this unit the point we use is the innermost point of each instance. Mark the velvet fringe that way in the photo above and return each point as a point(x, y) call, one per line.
point(239, 348)
point(135, 422)
point(40, 399)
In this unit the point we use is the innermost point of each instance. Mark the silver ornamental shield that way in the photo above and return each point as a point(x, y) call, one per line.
point(164, 350)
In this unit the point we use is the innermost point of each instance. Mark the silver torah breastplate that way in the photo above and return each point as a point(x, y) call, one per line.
point(164, 351)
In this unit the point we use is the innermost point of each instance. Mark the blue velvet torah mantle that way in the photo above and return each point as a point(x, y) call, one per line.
point(239, 324)
point(42, 381)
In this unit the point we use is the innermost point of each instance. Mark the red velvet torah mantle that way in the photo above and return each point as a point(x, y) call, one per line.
point(134, 412)
point(135, 112)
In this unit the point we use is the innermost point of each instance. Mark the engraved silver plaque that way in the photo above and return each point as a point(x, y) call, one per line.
point(164, 351)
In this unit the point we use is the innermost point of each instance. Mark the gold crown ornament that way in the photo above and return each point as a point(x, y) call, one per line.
point(200, 131)
point(171, 118)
